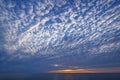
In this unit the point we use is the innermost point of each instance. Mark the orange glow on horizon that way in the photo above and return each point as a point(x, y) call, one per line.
point(99, 70)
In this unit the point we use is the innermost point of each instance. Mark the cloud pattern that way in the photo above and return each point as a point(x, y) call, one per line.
point(59, 28)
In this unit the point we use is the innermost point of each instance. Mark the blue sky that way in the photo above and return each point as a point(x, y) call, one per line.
point(45, 35)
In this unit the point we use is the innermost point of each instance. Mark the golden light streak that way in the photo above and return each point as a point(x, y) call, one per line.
point(92, 70)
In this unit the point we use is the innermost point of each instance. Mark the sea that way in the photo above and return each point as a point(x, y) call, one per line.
point(51, 76)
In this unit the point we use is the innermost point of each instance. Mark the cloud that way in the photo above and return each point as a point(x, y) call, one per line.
point(80, 29)
point(106, 48)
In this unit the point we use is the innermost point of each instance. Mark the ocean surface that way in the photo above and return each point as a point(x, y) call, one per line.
point(49, 76)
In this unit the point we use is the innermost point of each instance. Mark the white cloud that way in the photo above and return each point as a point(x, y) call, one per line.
point(45, 39)
point(43, 21)
point(106, 48)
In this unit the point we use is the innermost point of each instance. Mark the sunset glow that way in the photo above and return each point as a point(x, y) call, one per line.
point(101, 70)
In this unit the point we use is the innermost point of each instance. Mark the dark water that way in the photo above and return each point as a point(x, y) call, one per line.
point(102, 76)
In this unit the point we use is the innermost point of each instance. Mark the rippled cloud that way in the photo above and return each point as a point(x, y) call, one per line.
point(58, 28)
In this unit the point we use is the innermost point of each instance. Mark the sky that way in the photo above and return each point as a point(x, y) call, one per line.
point(40, 36)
